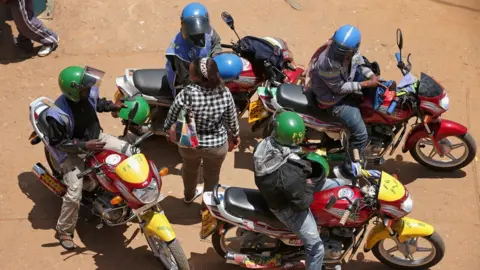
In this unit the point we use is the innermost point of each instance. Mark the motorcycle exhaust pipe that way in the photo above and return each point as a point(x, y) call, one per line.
point(259, 262)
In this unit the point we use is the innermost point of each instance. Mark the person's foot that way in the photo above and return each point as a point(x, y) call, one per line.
point(47, 49)
point(24, 45)
point(66, 241)
point(198, 192)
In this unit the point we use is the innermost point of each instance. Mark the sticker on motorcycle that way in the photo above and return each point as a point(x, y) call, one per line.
point(113, 159)
point(346, 192)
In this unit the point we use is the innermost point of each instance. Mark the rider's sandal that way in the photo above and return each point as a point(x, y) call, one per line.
point(198, 192)
point(66, 241)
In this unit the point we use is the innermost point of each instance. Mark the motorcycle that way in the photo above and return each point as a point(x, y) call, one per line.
point(386, 113)
point(266, 61)
point(152, 84)
point(342, 214)
point(122, 189)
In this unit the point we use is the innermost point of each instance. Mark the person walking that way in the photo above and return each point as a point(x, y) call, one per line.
point(30, 28)
point(214, 112)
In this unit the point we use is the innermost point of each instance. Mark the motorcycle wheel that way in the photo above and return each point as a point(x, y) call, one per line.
point(171, 254)
point(467, 142)
point(267, 130)
point(437, 251)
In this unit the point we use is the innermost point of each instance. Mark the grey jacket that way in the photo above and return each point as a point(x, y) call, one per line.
point(332, 80)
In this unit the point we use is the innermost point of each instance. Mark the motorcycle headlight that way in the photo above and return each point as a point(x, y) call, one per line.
point(407, 205)
point(148, 194)
point(445, 102)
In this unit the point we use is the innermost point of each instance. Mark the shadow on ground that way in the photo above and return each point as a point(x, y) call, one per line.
point(181, 213)
point(9, 53)
point(411, 171)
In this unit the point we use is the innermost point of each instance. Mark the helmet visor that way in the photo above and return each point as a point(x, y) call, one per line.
point(196, 26)
point(91, 77)
point(341, 51)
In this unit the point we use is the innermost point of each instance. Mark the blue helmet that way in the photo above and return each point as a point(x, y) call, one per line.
point(346, 40)
point(229, 66)
point(195, 23)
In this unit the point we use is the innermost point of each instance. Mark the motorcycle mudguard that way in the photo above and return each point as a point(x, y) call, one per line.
point(405, 228)
point(52, 183)
point(157, 224)
point(442, 129)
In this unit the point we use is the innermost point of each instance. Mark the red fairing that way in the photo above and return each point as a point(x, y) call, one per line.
point(331, 217)
point(113, 159)
point(442, 129)
point(380, 116)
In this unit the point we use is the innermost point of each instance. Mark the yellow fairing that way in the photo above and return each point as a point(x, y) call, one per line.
point(406, 228)
point(391, 189)
point(157, 224)
point(133, 169)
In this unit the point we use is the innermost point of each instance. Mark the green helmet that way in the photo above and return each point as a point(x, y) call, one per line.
point(289, 129)
point(140, 114)
point(73, 79)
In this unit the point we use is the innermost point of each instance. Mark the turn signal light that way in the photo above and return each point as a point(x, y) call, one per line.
point(163, 171)
point(116, 200)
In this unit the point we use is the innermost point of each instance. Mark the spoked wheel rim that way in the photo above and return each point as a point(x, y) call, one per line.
point(162, 252)
point(235, 240)
point(455, 150)
point(411, 253)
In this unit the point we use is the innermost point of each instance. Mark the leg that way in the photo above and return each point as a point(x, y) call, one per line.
point(191, 162)
point(29, 25)
point(212, 163)
point(115, 144)
point(71, 200)
point(303, 224)
point(349, 114)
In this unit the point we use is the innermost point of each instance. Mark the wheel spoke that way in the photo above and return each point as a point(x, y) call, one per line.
point(450, 156)
point(458, 145)
point(423, 249)
point(432, 153)
point(393, 249)
point(425, 142)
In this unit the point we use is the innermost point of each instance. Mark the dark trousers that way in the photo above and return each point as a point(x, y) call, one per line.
point(29, 27)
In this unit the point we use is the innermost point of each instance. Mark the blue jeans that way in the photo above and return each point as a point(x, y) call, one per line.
point(303, 224)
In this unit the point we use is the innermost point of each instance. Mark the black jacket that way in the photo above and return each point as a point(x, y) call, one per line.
point(287, 186)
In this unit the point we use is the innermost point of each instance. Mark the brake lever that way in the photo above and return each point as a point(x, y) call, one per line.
point(409, 66)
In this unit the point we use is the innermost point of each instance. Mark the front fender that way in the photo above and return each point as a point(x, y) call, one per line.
point(157, 224)
point(443, 128)
point(405, 228)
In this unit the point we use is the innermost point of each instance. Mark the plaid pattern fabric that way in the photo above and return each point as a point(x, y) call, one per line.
point(214, 112)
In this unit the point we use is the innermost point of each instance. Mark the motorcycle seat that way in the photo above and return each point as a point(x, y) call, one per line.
point(250, 204)
point(292, 96)
point(152, 82)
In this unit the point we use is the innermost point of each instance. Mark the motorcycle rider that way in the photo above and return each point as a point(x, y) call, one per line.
point(196, 39)
point(73, 128)
point(337, 70)
point(282, 178)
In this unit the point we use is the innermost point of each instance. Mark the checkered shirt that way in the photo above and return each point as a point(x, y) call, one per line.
point(214, 111)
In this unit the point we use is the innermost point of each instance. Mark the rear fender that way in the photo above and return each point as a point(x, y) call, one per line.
point(125, 84)
point(405, 228)
point(442, 129)
point(157, 224)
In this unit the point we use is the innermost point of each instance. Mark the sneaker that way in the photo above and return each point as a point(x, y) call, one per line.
point(47, 49)
point(198, 192)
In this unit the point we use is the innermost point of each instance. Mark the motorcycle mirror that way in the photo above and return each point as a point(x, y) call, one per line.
point(228, 19)
point(399, 39)
point(331, 202)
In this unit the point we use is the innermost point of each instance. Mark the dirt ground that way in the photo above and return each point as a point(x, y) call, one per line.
point(442, 36)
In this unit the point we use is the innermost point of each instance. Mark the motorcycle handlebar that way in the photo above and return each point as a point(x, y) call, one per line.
point(84, 173)
point(345, 216)
point(227, 46)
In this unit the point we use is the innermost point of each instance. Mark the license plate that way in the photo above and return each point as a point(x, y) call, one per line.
point(209, 224)
point(256, 111)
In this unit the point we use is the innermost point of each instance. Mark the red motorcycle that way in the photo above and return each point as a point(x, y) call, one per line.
point(432, 142)
point(121, 189)
point(246, 233)
point(266, 61)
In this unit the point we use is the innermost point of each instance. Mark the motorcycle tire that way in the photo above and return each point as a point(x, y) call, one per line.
point(177, 253)
point(472, 151)
point(267, 130)
point(217, 240)
point(434, 239)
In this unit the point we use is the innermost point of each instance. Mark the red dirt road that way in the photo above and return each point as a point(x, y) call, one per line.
point(442, 36)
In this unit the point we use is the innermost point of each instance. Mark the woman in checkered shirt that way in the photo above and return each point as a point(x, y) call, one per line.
point(215, 113)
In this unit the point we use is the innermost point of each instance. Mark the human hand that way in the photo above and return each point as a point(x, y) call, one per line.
point(93, 145)
point(236, 142)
